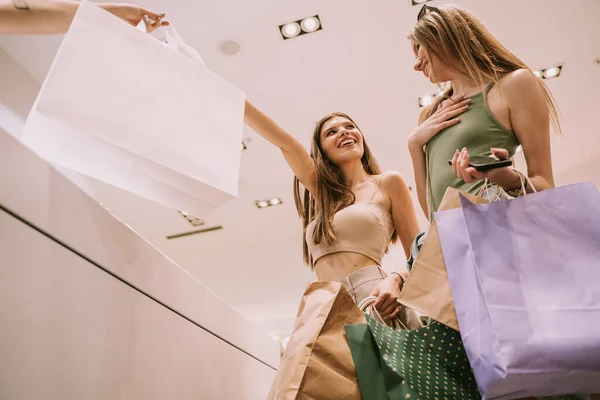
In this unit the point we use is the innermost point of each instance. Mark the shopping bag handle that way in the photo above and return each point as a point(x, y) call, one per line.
point(367, 305)
point(522, 177)
point(174, 41)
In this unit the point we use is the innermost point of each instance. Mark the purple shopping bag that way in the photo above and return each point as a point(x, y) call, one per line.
point(525, 278)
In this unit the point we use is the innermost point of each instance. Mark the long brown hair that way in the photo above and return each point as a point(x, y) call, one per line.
point(457, 37)
point(333, 193)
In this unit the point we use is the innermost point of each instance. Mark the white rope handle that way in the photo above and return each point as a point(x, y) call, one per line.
point(522, 178)
point(174, 41)
point(367, 305)
point(524, 181)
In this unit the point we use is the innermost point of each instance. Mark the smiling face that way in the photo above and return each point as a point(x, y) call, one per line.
point(425, 61)
point(341, 141)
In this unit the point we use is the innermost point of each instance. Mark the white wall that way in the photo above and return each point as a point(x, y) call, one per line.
point(588, 171)
point(73, 331)
point(18, 89)
point(70, 331)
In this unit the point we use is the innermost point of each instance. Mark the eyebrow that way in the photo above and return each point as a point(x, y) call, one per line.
point(336, 125)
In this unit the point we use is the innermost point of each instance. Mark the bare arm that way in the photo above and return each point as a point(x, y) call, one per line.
point(530, 119)
point(403, 209)
point(405, 222)
point(294, 152)
point(45, 17)
point(419, 169)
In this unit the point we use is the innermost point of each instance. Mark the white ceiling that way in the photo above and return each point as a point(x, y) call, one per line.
point(360, 63)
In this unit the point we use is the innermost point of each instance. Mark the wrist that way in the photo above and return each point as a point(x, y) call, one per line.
point(110, 7)
point(398, 278)
point(507, 178)
point(414, 147)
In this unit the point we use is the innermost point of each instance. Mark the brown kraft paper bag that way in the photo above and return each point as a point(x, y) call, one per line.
point(317, 363)
point(427, 288)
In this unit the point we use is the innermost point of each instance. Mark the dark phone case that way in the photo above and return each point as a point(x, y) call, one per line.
point(482, 163)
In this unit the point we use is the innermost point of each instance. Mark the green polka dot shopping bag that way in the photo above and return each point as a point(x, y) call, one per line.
point(427, 363)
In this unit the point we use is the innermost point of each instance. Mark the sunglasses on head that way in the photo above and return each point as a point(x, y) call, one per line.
point(425, 9)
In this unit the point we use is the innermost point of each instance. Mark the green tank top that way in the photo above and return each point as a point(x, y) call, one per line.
point(478, 131)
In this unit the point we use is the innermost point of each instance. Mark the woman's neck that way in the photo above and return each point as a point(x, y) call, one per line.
point(354, 173)
point(463, 85)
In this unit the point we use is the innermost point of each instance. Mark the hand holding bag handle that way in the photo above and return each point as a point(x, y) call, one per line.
point(367, 305)
point(500, 193)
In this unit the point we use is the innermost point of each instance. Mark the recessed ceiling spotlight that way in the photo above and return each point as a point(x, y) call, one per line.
point(310, 24)
point(300, 27)
point(195, 221)
point(426, 101)
point(290, 30)
point(262, 203)
point(268, 203)
point(416, 2)
point(553, 72)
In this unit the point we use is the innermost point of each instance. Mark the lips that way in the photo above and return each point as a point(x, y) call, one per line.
point(347, 143)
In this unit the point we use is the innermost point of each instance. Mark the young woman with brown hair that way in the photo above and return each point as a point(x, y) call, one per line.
point(350, 210)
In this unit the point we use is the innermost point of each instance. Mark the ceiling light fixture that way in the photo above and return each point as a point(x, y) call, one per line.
point(553, 72)
point(427, 100)
point(300, 27)
point(275, 201)
point(417, 2)
point(548, 73)
point(196, 232)
point(290, 30)
point(195, 221)
point(230, 47)
point(310, 24)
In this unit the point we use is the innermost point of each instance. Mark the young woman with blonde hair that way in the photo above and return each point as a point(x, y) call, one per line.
point(509, 107)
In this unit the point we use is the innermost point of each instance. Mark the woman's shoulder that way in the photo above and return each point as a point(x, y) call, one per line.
point(393, 180)
point(518, 81)
point(521, 87)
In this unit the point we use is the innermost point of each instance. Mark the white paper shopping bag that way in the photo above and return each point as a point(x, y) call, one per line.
point(122, 107)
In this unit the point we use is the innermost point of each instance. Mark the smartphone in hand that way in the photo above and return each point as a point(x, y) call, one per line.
point(486, 163)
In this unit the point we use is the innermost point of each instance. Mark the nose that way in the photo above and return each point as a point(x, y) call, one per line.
point(418, 64)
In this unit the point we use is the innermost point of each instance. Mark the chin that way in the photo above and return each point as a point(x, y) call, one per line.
point(349, 157)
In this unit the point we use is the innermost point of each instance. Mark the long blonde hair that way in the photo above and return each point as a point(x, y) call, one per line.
point(332, 189)
point(457, 37)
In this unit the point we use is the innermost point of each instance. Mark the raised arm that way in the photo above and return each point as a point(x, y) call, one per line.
point(294, 152)
point(45, 17)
